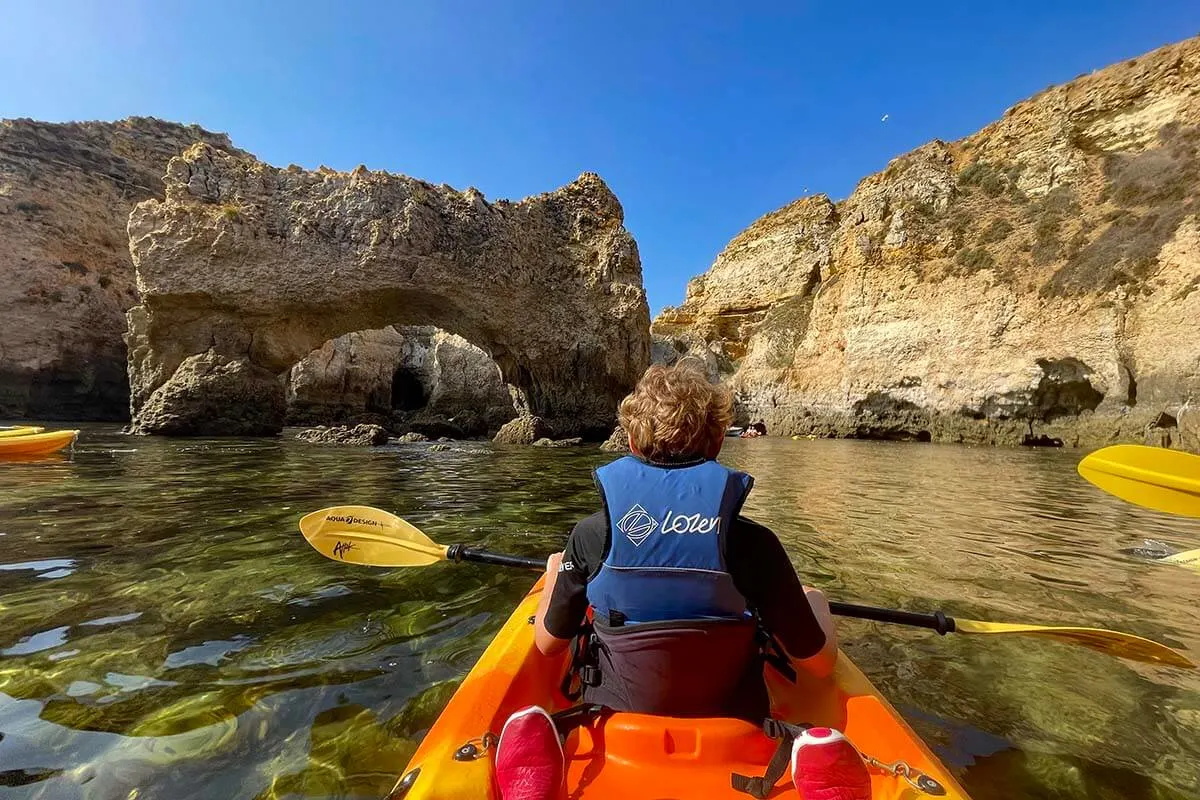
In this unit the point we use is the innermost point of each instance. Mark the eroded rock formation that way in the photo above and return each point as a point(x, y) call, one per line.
point(66, 279)
point(259, 266)
point(1045, 270)
point(415, 377)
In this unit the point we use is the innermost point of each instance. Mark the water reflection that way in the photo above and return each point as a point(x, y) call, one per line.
point(164, 629)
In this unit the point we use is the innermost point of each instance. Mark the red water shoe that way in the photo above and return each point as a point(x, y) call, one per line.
point(529, 757)
point(825, 766)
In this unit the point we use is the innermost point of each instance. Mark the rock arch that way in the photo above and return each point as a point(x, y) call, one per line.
point(244, 269)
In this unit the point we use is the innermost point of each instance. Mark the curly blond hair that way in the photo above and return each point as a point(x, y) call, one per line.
point(675, 414)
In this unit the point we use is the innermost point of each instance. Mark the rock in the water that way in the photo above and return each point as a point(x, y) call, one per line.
point(66, 278)
point(1045, 270)
point(359, 435)
point(575, 441)
point(208, 395)
point(522, 430)
point(412, 436)
point(266, 264)
point(618, 442)
point(439, 448)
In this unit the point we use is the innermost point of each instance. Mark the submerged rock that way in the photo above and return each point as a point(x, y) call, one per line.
point(359, 435)
point(412, 436)
point(548, 442)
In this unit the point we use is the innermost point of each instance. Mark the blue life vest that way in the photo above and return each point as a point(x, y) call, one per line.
point(667, 529)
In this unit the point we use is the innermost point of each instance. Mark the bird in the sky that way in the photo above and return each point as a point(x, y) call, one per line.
point(884, 118)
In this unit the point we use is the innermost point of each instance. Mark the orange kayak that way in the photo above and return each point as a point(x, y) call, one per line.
point(632, 756)
point(36, 444)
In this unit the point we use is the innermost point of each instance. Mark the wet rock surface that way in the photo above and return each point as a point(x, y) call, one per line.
point(357, 436)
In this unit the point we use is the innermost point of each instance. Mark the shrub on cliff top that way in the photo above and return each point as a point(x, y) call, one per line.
point(973, 260)
point(1160, 183)
point(986, 177)
point(1164, 174)
point(997, 231)
point(1126, 253)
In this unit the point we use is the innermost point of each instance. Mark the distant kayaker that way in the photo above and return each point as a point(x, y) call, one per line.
point(680, 589)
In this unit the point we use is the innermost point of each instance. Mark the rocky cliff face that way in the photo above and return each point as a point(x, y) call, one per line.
point(244, 269)
point(66, 278)
point(417, 377)
point(1045, 270)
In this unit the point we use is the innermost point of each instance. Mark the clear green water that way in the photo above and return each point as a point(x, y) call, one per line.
point(165, 632)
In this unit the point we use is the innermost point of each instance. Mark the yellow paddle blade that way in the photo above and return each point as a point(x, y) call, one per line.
point(1154, 477)
point(1114, 643)
point(369, 537)
point(1188, 558)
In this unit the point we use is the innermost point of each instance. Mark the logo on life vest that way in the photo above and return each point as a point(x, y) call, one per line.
point(691, 523)
point(637, 525)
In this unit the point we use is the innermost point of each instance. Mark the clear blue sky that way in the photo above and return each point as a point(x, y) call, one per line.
point(700, 115)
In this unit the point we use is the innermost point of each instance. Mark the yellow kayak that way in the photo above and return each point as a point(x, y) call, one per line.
point(36, 444)
point(637, 756)
point(19, 430)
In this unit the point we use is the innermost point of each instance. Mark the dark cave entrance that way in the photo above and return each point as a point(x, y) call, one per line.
point(408, 393)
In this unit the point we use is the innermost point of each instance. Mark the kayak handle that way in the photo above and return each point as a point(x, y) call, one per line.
point(937, 621)
point(461, 552)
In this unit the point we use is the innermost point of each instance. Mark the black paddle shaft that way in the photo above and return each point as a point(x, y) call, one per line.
point(937, 621)
point(461, 552)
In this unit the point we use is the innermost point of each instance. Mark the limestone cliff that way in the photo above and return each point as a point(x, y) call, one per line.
point(1045, 270)
point(66, 278)
point(244, 269)
point(419, 378)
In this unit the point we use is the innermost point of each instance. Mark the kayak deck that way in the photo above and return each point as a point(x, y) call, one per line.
point(631, 756)
point(36, 444)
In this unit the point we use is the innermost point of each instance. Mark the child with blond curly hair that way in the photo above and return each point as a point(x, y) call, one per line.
point(669, 593)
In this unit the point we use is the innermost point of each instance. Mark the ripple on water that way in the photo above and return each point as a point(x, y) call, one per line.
point(169, 633)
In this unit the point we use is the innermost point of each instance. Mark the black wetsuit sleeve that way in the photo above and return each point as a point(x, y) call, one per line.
point(582, 557)
point(764, 575)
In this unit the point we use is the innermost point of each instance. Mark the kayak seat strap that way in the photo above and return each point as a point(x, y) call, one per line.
point(773, 654)
point(760, 787)
point(584, 664)
point(578, 716)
